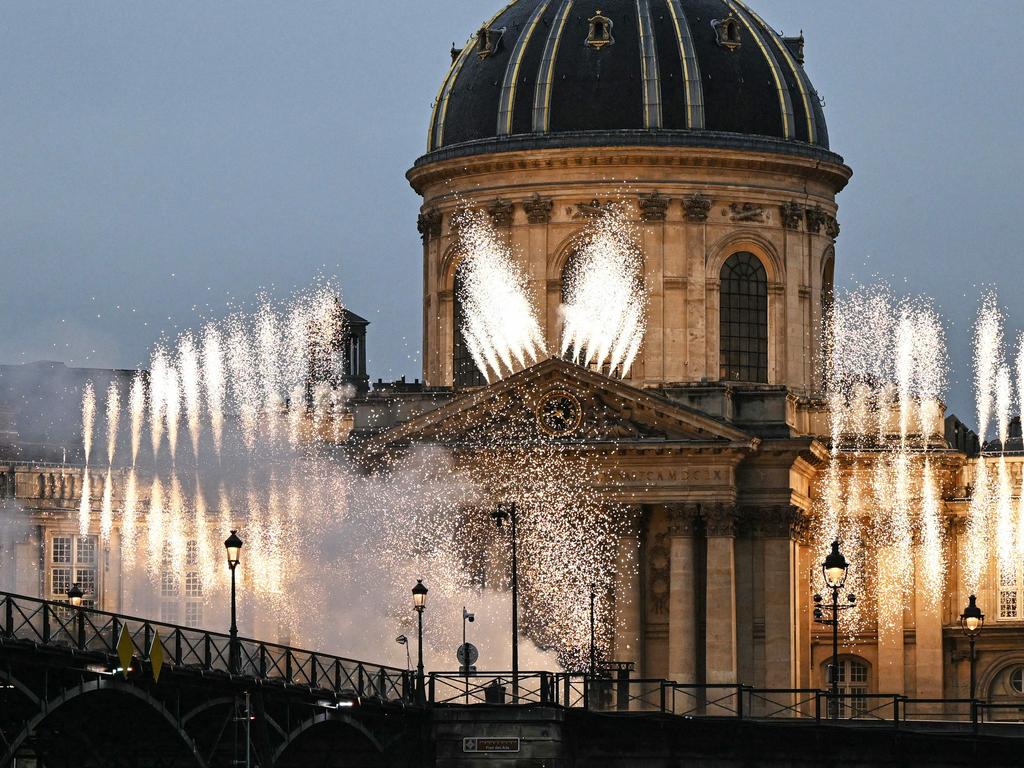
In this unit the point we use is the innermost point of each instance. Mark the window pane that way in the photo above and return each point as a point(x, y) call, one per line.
point(86, 578)
point(193, 614)
point(62, 549)
point(86, 550)
point(1007, 604)
point(743, 319)
point(60, 581)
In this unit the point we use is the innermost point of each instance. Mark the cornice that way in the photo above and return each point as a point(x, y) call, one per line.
point(702, 151)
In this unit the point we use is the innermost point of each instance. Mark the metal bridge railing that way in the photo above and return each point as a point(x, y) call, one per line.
point(88, 630)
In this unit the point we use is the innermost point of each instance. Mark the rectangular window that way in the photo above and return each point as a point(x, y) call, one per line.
point(62, 549)
point(169, 611)
point(1007, 604)
point(168, 584)
point(193, 614)
point(193, 585)
point(86, 550)
point(60, 582)
point(191, 553)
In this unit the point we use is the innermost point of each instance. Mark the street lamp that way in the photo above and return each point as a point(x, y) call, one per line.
point(75, 595)
point(419, 602)
point(834, 569)
point(75, 599)
point(593, 633)
point(470, 618)
point(502, 513)
point(233, 545)
point(972, 620)
point(403, 640)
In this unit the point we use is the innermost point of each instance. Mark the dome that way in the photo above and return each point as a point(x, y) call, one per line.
point(563, 73)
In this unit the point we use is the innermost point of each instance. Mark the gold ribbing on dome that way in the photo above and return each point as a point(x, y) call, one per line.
point(545, 81)
point(443, 96)
point(691, 69)
point(785, 103)
point(506, 107)
point(798, 75)
point(649, 66)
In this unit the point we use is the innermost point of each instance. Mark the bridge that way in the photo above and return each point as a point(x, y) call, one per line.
point(67, 700)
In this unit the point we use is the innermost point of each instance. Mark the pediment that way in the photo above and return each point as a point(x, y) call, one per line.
point(596, 409)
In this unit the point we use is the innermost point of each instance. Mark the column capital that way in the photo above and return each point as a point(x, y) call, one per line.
point(719, 518)
point(782, 521)
point(682, 519)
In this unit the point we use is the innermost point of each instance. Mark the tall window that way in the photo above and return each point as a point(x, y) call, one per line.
point(465, 372)
point(73, 561)
point(1010, 583)
point(743, 318)
point(853, 686)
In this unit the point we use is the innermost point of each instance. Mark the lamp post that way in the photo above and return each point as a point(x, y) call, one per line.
point(419, 602)
point(467, 617)
point(593, 632)
point(834, 570)
point(75, 599)
point(971, 622)
point(233, 545)
point(403, 640)
point(75, 595)
point(502, 513)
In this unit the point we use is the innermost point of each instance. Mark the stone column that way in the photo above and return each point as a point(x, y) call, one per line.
point(781, 616)
point(628, 624)
point(682, 605)
point(927, 637)
point(720, 634)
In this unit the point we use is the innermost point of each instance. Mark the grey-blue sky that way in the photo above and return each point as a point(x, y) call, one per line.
point(156, 158)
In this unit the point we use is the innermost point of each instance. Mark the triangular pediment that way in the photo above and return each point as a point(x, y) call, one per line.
point(567, 403)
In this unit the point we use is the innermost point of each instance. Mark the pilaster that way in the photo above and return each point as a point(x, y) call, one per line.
point(720, 633)
point(627, 590)
point(682, 632)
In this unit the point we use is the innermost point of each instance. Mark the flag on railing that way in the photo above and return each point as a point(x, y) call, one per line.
point(125, 650)
point(156, 656)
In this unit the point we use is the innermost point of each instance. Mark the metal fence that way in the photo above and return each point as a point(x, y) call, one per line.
point(625, 694)
point(58, 625)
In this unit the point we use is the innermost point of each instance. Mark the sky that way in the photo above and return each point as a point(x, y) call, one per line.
point(160, 162)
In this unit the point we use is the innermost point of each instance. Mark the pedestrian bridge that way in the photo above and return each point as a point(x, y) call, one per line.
point(190, 697)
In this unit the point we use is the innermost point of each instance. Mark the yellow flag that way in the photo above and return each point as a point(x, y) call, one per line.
point(125, 650)
point(156, 656)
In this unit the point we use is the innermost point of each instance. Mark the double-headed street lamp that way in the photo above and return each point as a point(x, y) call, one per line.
point(502, 513)
point(834, 569)
point(233, 545)
point(419, 602)
point(972, 620)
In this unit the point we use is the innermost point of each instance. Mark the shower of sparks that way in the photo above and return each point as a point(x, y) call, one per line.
point(302, 508)
point(137, 413)
point(85, 505)
point(188, 364)
point(214, 382)
point(499, 323)
point(88, 418)
point(113, 419)
point(157, 378)
point(172, 408)
point(605, 311)
point(886, 368)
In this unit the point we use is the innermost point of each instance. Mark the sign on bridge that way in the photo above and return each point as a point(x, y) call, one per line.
point(491, 744)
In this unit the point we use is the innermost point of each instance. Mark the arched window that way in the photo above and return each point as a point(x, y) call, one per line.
point(464, 370)
point(743, 318)
point(854, 683)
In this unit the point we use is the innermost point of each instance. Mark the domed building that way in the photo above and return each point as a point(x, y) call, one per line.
point(700, 118)
point(698, 113)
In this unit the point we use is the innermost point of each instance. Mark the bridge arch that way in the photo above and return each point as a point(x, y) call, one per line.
point(290, 752)
point(55, 705)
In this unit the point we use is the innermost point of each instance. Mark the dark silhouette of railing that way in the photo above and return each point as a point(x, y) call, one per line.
point(618, 693)
point(58, 625)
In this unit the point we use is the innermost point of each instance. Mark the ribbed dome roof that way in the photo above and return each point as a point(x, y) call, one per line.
point(593, 72)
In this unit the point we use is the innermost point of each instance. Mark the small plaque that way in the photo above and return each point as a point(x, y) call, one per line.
point(490, 744)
